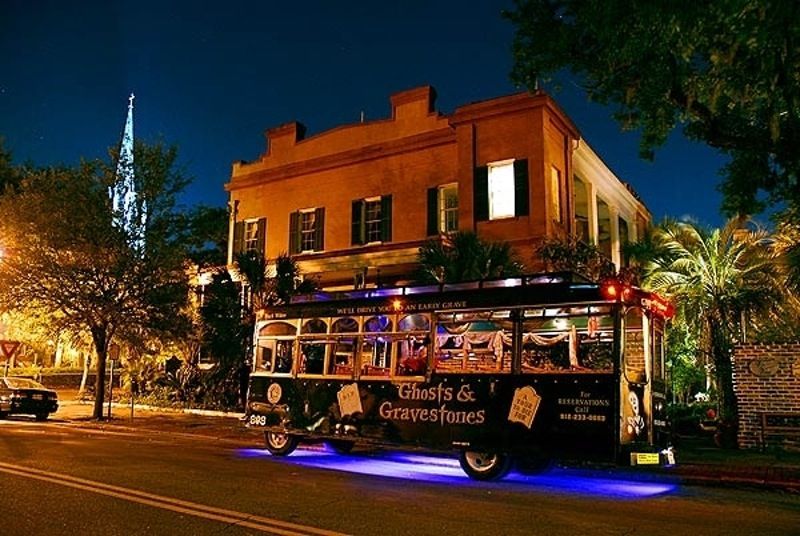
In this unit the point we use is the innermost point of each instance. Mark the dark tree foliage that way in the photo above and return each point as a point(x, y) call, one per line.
point(10, 174)
point(207, 235)
point(227, 332)
point(574, 255)
point(724, 69)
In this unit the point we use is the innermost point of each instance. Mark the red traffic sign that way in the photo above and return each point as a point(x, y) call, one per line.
point(9, 348)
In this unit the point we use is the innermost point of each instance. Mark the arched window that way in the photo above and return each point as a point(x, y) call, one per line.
point(344, 347)
point(278, 329)
point(377, 324)
point(315, 325)
point(345, 325)
point(417, 322)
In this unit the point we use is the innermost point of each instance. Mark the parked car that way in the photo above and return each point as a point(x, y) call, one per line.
point(25, 396)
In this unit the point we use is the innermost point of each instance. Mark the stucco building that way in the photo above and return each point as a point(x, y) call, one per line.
point(353, 204)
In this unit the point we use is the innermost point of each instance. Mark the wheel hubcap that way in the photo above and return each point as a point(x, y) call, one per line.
point(481, 461)
point(278, 441)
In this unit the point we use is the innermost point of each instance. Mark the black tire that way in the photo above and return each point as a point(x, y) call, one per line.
point(341, 446)
point(3, 414)
point(484, 465)
point(41, 416)
point(280, 443)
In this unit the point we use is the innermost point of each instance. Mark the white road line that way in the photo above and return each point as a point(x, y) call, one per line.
point(263, 524)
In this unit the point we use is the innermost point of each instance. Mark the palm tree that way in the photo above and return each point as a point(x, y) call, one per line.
point(787, 246)
point(265, 289)
point(463, 256)
point(718, 279)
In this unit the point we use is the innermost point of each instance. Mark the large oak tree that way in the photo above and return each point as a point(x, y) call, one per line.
point(67, 261)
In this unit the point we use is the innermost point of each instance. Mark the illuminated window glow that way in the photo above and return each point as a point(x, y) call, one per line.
point(501, 190)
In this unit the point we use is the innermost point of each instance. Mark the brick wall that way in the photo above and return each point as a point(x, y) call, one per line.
point(766, 379)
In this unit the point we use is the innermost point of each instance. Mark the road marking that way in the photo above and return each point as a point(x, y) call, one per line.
point(241, 519)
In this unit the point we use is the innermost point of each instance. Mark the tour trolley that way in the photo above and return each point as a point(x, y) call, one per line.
point(540, 367)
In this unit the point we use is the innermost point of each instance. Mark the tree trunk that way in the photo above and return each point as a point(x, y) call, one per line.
point(100, 338)
point(721, 353)
point(85, 374)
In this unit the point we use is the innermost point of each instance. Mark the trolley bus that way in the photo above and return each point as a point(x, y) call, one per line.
point(542, 367)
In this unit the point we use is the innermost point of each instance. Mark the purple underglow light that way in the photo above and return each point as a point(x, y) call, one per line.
point(442, 469)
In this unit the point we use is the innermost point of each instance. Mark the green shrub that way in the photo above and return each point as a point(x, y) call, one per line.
point(686, 418)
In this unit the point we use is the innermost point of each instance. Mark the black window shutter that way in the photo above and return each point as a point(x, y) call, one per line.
point(238, 237)
point(433, 211)
point(480, 194)
point(319, 229)
point(521, 188)
point(357, 234)
point(261, 235)
point(294, 233)
point(386, 218)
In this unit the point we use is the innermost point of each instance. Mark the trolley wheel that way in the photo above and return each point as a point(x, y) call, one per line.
point(342, 446)
point(484, 465)
point(41, 416)
point(280, 443)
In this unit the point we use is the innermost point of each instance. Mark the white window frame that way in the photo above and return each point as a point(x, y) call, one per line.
point(368, 238)
point(250, 236)
point(308, 213)
point(445, 211)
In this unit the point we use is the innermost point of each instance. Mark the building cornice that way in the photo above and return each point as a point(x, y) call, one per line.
point(418, 142)
point(512, 104)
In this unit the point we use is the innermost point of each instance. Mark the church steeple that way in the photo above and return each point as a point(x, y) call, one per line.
point(130, 212)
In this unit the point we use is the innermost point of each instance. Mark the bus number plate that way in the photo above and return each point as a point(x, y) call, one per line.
point(258, 420)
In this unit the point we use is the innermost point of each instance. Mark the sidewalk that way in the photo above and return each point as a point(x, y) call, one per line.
point(205, 424)
point(698, 460)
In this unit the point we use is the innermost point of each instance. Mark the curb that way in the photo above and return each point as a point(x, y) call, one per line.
point(162, 409)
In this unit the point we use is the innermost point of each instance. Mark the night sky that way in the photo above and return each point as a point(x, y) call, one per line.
point(212, 77)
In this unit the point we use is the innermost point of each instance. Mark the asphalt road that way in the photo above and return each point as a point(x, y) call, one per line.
point(58, 479)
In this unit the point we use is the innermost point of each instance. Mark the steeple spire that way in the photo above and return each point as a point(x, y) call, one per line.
point(130, 212)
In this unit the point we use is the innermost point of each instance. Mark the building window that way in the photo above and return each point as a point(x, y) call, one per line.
point(555, 192)
point(624, 238)
point(307, 230)
point(443, 209)
point(581, 211)
point(604, 239)
point(250, 236)
point(372, 220)
point(500, 190)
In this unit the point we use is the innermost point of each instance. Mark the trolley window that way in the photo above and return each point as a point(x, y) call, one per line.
point(343, 355)
point(413, 345)
point(474, 342)
point(633, 346)
point(376, 346)
point(568, 339)
point(274, 347)
point(313, 346)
